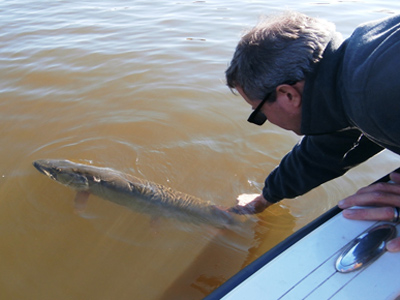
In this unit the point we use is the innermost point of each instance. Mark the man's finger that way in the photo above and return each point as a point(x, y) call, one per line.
point(386, 187)
point(395, 177)
point(371, 214)
point(242, 210)
point(374, 198)
point(393, 245)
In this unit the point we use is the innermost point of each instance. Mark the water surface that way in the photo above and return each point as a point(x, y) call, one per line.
point(139, 86)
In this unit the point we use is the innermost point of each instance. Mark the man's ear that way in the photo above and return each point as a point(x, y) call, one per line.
point(289, 96)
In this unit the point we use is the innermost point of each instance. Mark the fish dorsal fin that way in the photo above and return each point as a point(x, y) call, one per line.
point(80, 201)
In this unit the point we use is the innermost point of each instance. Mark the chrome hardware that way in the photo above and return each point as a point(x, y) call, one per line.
point(365, 248)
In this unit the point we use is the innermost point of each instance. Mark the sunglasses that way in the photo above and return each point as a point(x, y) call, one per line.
point(257, 117)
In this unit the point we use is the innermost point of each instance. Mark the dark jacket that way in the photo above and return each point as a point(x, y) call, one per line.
point(350, 110)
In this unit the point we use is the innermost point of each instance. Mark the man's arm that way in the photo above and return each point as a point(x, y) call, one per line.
point(315, 160)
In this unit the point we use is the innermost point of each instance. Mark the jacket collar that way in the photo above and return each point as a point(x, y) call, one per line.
point(322, 108)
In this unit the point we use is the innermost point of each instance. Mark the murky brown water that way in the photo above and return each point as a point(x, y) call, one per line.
point(139, 86)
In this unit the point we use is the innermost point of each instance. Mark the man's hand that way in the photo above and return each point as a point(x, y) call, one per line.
point(250, 204)
point(380, 200)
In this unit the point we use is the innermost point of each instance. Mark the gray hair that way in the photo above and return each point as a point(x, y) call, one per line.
point(277, 50)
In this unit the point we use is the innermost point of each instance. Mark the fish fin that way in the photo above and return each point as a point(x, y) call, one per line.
point(80, 201)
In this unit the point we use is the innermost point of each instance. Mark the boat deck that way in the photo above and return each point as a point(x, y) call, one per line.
point(304, 266)
point(306, 270)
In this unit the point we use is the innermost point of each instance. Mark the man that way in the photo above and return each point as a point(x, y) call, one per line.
point(343, 96)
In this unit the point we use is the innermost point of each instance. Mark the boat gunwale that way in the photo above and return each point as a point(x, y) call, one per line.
point(274, 252)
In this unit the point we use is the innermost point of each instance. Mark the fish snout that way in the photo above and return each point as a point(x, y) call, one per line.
point(45, 167)
point(39, 165)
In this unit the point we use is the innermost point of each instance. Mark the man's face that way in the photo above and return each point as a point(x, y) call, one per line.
point(282, 111)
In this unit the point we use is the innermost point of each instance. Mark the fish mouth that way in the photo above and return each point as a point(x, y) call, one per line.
point(38, 165)
point(43, 167)
point(63, 172)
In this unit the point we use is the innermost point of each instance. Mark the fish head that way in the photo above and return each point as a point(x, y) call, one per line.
point(64, 172)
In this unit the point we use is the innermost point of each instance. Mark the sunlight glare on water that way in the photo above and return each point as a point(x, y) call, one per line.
point(139, 87)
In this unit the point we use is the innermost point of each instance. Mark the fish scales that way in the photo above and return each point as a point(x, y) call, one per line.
point(135, 193)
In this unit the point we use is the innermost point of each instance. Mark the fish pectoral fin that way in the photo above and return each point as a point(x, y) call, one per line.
point(80, 201)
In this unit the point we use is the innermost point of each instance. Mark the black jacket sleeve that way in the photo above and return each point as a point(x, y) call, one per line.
point(315, 160)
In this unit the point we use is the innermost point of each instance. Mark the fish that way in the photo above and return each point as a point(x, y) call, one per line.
point(137, 194)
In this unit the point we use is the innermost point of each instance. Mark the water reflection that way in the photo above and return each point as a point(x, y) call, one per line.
point(139, 87)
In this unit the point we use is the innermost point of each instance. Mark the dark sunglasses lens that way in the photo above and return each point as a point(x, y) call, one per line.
point(257, 118)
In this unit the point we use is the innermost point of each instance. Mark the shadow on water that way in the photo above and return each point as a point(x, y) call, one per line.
point(218, 262)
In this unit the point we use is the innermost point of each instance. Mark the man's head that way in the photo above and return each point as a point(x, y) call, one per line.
point(284, 111)
point(274, 56)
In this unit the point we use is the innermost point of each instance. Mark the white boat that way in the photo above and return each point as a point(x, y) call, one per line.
point(330, 258)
